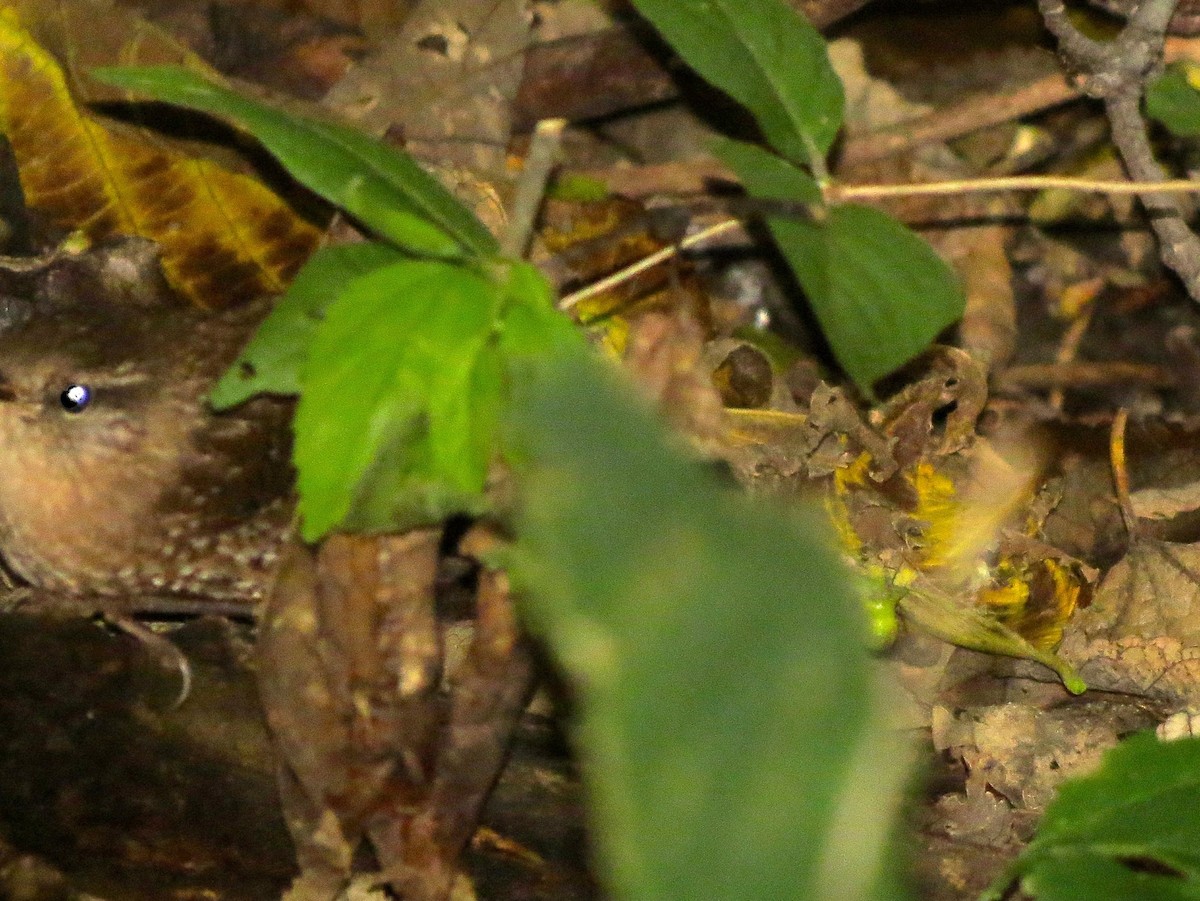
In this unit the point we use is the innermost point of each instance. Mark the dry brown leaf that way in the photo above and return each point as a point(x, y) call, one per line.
point(448, 79)
point(989, 324)
point(1025, 753)
point(1162, 669)
point(1165, 503)
point(1141, 634)
point(224, 237)
point(1154, 591)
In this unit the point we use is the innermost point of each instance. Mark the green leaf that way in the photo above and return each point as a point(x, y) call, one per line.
point(379, 185)
point(768, 58)
point(532, 327)
point(579, 188)
point(271, 362)
point(398, 413)
point(774, 178)
point(1129, 831)
point(880, 293)
point(715, 654)
point(1174, 101)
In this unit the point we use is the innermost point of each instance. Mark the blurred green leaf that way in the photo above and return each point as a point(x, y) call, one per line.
point(768, 58)
point(378, 184)
point(716, 652)
point(271, 362)
point(404, 387)
point(1129, 832)
point(579, 188)
point(1174, 101)
point(400, 393)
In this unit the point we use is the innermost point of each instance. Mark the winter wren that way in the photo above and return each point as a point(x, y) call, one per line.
point(115, 479)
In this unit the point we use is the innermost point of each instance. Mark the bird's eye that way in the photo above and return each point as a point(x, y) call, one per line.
point(75, 398)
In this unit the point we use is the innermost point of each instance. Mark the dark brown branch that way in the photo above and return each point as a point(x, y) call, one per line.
point(1178, 244)
point(1117, 72)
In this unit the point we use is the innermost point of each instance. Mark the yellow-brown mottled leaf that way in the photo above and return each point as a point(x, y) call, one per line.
point(224, 236)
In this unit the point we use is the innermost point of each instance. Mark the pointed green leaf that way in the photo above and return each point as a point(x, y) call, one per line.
point(880, 293)
point(1130, 830)
point(934, 610)
point(768, 58)
point(774, 178)
point(381, 186)
point(271, 362)
point(532, 327)
point(399, 405)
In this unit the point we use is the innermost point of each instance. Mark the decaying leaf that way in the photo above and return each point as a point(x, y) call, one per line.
point(582, 241)
point(449, 78)
point(1164, 503)
point(1153, 591)
point(1023, 754)
point(1141, 633)
point(225, 237)
point(928, 527)
point(664, 355)
point(1162, 669)
point(370, 748)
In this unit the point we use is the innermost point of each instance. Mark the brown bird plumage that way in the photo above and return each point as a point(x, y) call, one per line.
point(139, 488)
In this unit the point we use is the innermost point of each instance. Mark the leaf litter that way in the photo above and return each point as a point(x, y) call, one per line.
point(1006, 732)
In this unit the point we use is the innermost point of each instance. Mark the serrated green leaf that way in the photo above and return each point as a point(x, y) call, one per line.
point(774, 177)
point(1120, 833)
point(715, 652)
point(1174, 101)
point(768, 58)
point(381, 186)
point(532, 327)
point(398, 411)
point(880, 293)
point(271, 362)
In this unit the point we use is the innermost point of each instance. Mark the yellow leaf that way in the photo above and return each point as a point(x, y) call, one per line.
point(224, 237)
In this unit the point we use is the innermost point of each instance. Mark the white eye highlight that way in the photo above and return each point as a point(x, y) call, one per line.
point(75, 398)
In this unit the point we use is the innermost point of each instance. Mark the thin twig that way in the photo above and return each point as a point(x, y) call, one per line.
point(1117, 72)
point(1082, 374)
point(660, 256)
point(1120, 472)
point(836, 192)
point(1068, 347)
point(965, 116)
point(1178, 244)
point(543, 149)
point(1074, 43)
